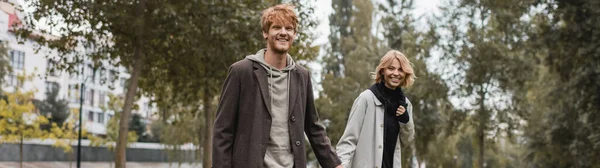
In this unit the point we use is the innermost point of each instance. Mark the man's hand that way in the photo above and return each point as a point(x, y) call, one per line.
point(339, 166)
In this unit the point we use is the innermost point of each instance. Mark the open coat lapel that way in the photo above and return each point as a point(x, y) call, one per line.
point(295, 80)
point(261, 77)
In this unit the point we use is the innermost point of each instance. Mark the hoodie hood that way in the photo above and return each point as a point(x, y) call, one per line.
point(260, 58)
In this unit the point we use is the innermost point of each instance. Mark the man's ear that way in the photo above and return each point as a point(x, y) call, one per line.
point(265, 35)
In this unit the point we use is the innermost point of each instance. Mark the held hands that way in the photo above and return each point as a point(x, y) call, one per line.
point(400, 111)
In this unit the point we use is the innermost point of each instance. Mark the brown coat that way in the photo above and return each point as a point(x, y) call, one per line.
point(243, 121)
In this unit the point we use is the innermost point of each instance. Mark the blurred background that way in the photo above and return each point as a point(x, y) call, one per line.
point(501, 83)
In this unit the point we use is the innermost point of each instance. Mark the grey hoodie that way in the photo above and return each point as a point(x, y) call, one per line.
point(279, 151)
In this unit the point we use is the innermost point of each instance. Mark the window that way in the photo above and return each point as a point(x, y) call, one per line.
point(89, 96)
point(100, 117)
point(12, 80)
point(50, 86)
point(109, 117)
point(91, 116)
point(89, 72)
point(17, 59)
point(50, 68)
point(101, 98)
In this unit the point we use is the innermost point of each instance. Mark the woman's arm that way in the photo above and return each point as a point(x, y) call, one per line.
point(347, 144)
point(407, 130)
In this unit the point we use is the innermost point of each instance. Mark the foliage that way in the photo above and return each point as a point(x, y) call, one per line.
point(19, 121)
point(57, 110)
point(563, 99)
point(115, 104)
point(5, 66)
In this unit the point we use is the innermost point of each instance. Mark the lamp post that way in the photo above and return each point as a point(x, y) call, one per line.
point(82, 89)
point(80, 120)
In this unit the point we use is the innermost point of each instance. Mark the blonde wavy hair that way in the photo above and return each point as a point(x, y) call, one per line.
point(406, 66)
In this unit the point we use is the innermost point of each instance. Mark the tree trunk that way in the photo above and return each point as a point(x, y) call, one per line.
point(208, 116)
point(481, 128)
point(120, 155)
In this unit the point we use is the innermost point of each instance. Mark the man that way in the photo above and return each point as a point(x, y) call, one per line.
point(266, 106)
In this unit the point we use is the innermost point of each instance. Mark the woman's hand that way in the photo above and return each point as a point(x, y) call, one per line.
point(400, 111)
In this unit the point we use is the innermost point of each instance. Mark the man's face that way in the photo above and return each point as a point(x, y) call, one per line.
point(280, 37)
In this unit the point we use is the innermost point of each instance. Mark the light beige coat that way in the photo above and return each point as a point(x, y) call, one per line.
point(361, 145)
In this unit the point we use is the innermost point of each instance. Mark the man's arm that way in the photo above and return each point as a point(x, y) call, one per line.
point(316, 133)
point(225, 121)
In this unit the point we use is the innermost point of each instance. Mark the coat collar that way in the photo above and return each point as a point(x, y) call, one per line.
point(294, 90)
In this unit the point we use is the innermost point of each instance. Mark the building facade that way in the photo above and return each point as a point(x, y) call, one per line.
point(25, 61)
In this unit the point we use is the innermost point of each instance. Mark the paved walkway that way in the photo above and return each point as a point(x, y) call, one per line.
point(96, 165)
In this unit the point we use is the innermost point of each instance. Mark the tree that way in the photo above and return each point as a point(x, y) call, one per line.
point(115, 104)
point(354, 53)
point(57, 110)
point(122, 33)
point(486, 45)
point(564, 104)
point(126, 33)
point(138, 126)
point(19, 121)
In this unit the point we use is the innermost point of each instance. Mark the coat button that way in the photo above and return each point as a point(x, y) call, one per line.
point(293, 118)
point(297, 143)
point(381, 125)
point(379, 146)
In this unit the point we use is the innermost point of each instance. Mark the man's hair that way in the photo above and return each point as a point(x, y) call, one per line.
point(280, 14)
point(406, 66)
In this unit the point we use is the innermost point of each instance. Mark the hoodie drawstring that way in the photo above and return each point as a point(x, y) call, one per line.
point(271, 86)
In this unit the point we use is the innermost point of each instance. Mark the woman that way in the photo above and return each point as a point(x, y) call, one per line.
point(381, 118)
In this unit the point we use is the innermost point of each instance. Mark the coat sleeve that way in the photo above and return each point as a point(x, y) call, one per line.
point(226, 117)
point(316, 134)
point(407, 130)
point(347, 144)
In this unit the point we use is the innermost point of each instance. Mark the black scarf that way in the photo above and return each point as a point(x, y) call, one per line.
point(391, 99)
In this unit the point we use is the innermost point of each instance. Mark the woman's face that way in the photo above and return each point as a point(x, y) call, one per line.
point(393, 74)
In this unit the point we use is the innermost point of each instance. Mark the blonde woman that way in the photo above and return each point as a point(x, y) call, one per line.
point(380, 120)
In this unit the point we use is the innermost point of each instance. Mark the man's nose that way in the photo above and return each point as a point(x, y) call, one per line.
point(283, 32)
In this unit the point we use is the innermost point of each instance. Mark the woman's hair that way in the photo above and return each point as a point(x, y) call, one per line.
point(405, 65)
point(281, 14)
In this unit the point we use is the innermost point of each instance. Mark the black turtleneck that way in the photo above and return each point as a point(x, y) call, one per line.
point(391, 99)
